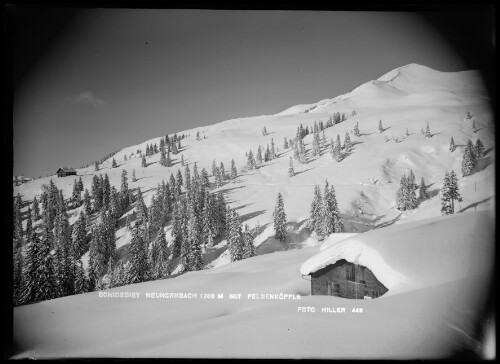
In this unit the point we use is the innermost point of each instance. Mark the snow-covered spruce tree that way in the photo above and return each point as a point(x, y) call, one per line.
point(18, 224)
point(316, 147)
point(40, 275)
point(76, 195)
point(198, 135)
point(113, 164)
point(96, 166)
point(250, 161)
point(356, 129)
point(285, 144)
point(314, 221)
point(428, 131)
point(272, 151)
point(29, 223)
point(291, 171)
point(337, 150)
point(234, 171)
point(187, 178)
point(422, 191)
point(446, 205)
point(81, 282)
point(204, 178)
point(106, 192)
point(343, 117)
point(454, 190)
point(400, 194)
point(302, 151)
point(79, 234)
point(323, 139)
point(194, 238)
point(143, 162)
point(248, 245)
point(347, 142)
point(479, 149)
point(380, 127)
point(87, 207)
point(36, 208)
point(235, 236)
point(179, 181)
point(222, 171)
point(134, 178)
point(474, 129)
point(452, 145)
point(411, 181)
point(138, 270)
point(264, 131)
point(468, 159)
point(183, 164)
point(163, 157)
point(259, 155)
point(267, 154)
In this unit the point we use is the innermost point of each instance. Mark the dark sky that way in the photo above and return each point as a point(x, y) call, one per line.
point(88, 82)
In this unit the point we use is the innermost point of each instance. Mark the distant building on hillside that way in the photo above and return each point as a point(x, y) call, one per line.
point(348, 280)
point(63, 172)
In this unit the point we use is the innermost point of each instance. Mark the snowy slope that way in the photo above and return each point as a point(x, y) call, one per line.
point(418, 254)
point(404, 98)
point(431, 318)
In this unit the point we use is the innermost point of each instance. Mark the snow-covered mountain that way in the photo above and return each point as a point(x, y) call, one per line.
point(365, 182)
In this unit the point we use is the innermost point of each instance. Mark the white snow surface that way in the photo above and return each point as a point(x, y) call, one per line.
point(414, 255)
point(431, 315)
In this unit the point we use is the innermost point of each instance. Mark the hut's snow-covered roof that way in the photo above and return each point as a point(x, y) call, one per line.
point(414, 255)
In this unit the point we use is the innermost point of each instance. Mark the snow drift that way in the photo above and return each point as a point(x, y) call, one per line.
point(415, 255)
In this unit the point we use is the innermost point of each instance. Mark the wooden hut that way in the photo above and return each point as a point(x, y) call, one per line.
point(63, 172)
point(348, 280)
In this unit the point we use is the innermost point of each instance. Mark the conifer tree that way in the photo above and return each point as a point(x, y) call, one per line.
point(316, 141)
point(234, 171)
point(272, 152)
point(40, 275)
point(235, 237)
point(96, 166)
point(428, 131)
point(380, 127)
point(291, 171)
point(143, 162)
point(479, 149)
point(204, 178)
point(163, 158)
point(285, 144)
point(182, 160)
point(222, 171)
point(187, 178)
point(113, 164)
point(134, 178)
point(214, 168)
point(81, 284)
point(35, 209)
point(452, 145)
point(474, 129)
point(250, 161)
point(264, 131)
point(138, 270)
point(76, 195)
point(347, 142)
point(279, 216)
point(29, 223)
point(356, 129)
point(179, 178)
point(18, 224)
point(198, 135)
point(446, 206)
point(468, 159)
point(422, 192)
point(86, 203)
point(248, 245)
point(78, 236)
